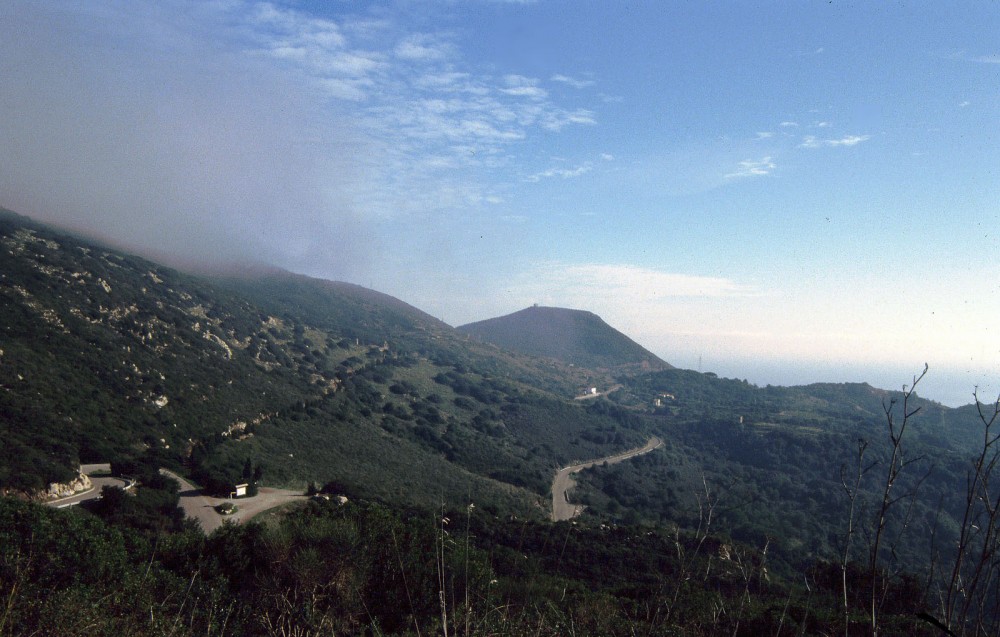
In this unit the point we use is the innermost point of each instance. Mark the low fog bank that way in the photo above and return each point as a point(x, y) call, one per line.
point(128, 127)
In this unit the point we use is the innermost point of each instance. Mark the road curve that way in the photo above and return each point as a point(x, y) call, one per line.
point(193, 501)
point(201, 507)
point(563, 482)
point(94, 492)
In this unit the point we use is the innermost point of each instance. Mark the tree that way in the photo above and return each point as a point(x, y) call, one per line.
point(970, 598)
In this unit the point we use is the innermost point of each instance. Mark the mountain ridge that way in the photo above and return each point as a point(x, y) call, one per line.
point(576, 337)
point(107, 355)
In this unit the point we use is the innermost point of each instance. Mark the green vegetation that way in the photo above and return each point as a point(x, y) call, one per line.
point(363, 568)
point(573, 337)
point(776, 459)
point(107, 356)
point(768, 509)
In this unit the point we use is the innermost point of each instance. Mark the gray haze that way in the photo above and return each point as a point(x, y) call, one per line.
point(121, 123)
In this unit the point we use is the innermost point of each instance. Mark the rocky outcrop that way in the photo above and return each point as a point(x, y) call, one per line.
point(65, 489)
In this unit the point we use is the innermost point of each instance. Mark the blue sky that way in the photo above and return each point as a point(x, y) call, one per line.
point(785, 192)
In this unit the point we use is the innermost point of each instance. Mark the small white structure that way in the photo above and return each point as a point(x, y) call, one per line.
point(593, 391)
point(241, 490)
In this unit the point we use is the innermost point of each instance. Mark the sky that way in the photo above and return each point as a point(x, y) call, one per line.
point(782, 192)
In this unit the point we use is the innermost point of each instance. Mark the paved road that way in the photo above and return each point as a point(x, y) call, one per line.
point(600, 393)
point(201, 507)
point(98, 481)
point(562, 509)
point(196, 505)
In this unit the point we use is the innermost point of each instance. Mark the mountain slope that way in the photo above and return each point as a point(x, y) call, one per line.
point(105, 355)
point(572, 336)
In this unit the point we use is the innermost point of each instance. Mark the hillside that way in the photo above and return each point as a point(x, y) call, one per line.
point(773, 461)
point(106, 355)
point(572, 336)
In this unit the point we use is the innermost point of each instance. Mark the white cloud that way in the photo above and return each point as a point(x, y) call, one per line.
point(984, 59)
point(515, 80)
point(621, 285)
point(297, 26)
point(751, 168)
point(434, 119)
point(811, 141)
point(521, 86)
point(850, 140)
point(763, 135)
point(644, 303)
point(447, 81)
point(531, 92)
point(177, 133)
point(422, 47)
point(346, 89)
point(564, 173)
point(816, 51)
point(789, 124)
point(557, 119)
point(575, 83)
point(964, 104)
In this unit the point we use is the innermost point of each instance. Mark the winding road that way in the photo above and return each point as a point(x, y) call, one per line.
point(98, 482)
point(562, 509)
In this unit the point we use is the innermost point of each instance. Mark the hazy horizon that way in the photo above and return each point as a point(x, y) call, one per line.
point(781, 190)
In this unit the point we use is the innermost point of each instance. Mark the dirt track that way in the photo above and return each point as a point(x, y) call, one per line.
point(562, 509)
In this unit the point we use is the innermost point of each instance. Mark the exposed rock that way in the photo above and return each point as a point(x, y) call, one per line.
point(64, 490)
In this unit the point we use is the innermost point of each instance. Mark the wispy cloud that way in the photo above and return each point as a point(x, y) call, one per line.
point(649, 304)
point(564, 173)
point(811, 141)
point(431, 115)
point(598, 284)
point(816, 51)
point(520, 86)
point(421, 47)
point(575, 83)
point(850, 140)
point(296, 131)
point(753, 168)
point(315, 45)
point(990, 58)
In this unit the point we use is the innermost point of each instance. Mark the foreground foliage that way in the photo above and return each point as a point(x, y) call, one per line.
point(364, 568)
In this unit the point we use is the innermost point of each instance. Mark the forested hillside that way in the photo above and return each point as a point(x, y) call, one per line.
point(782, 510)
point(107, 355)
